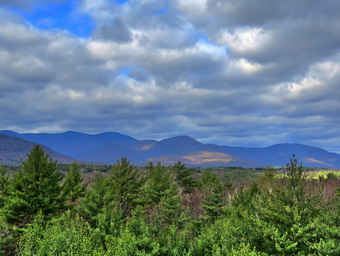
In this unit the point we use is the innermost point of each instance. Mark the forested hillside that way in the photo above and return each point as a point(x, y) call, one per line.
point(161, 210)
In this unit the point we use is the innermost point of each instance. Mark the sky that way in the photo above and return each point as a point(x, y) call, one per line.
point(229, 72)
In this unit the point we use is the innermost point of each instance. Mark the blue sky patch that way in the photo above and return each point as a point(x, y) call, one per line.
point(162, 11)
point(60, 15)
point(124, 71)
point(121, 1)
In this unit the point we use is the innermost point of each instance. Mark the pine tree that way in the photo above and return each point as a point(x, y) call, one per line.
point(99, 207)
point(214, 202)
point(163, 197)
point(267, 180)
point(285, 217)
point(36, 187)
point(184, 177)
point(214, 198)
point(159, 180)
point(73, 187)
point(4, 180)
point(244, 199)
point(109, 202)
point(127, 185)
point(170, 206)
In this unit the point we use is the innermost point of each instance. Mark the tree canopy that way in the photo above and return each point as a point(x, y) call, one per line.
point(165, 210)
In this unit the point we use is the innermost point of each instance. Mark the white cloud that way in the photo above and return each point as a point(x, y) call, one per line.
point(222, 71)
point(246, 67)
point(244, 40)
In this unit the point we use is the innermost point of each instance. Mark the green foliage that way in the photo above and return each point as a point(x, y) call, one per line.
point(208, 179)
point(110, 201)
point(284, 218)
point(134, 239)
point(66, 235)
point(161, 211)
point(214, 196)
point(173, 241)
point(244, 199)
point(127, 184)
point(8, 238)
point(213, 239)
point(98, 207)
point(73, 187)
point(36, 187)
point(327, 228)
point(184, 177)
point(267, 180)
point(244, 250)
point(163, 197)
point(170, 208)
point(296, 179)
point(4, 180)
point(214, 202)
point(229, 229)
point(159, 180)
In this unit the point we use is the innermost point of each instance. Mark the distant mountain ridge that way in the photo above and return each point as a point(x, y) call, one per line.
point(109, 147)
point(14, 149)
point(74, 144)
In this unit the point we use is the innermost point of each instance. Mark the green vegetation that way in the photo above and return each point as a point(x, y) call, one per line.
point(159, 210)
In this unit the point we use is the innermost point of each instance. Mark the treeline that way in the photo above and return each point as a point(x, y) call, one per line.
point(165, 211)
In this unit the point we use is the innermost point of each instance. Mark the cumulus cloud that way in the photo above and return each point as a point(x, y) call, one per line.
point(221, 71)
point(116, 31)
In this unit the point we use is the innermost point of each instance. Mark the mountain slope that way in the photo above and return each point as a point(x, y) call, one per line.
point(13, 149)
point(109, 147)
point(74, 144)
point(174, 146)
point(279, 155)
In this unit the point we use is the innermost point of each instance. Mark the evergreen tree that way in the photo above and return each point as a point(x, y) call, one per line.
point(170, 209)
point(184, 177)
point(36, 187)
point(243, 200)
point(4, 180)
point(110, 200)
point(73, 187)
point(285, 217)
point(214, 197)
point(163, 197)
point(267, 180)
point(127, 185)
point(159, 180)
point(214, 202)
point(8, 238)
point(99, 207)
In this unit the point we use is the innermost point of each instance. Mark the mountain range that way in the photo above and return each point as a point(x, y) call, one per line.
point(13, 149)
point(109, 147)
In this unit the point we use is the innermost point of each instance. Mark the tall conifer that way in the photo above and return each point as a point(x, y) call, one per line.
point(36, 187)
point(73, 186)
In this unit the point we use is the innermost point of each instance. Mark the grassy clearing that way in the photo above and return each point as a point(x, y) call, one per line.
point(323, 174)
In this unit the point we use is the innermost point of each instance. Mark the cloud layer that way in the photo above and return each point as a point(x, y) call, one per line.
point(224, 72)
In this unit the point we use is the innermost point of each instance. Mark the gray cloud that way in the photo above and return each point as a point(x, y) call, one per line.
point(116, 31)
point(287, 35)
point(221, 71)
point(25, 4)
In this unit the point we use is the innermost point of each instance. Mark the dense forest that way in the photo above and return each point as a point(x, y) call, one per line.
point(165, 210)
